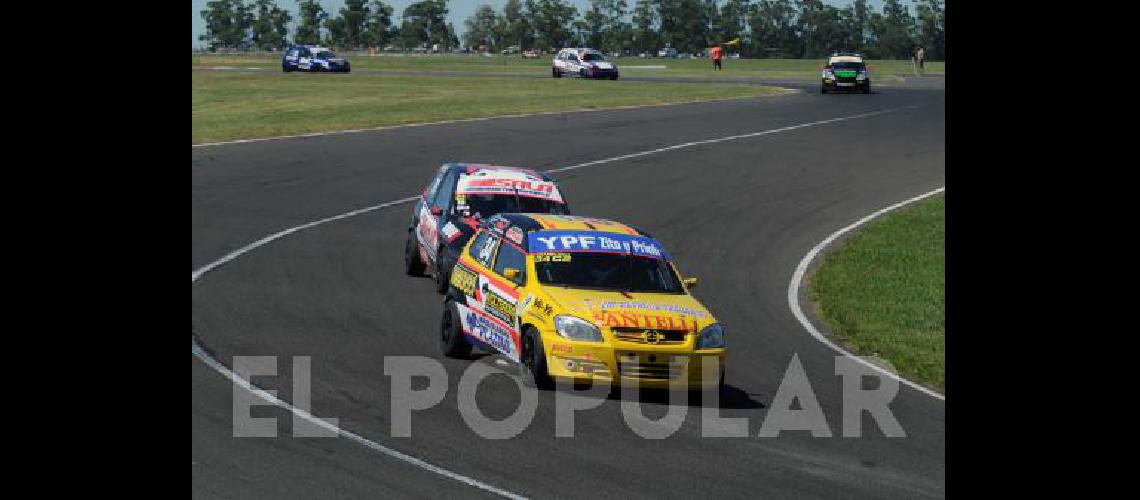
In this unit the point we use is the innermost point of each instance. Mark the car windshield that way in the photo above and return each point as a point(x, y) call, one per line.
point(324, 55)
point(593, 57)
point(607, 271)
point(848, 66)
point(486, 205)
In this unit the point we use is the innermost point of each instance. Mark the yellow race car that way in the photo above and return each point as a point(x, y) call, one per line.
point(577, 299)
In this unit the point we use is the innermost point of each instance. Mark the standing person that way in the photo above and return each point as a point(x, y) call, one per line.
point(717, 52)
point(918, 57)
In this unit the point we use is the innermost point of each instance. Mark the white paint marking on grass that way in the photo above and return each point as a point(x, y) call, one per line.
point(801, 270)
point(648, 66)
point(477, 119)
point(199, 351)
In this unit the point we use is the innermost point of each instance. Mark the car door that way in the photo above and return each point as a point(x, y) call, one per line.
point(489, 300)
point(304, 59)
point(432, 212)
point(572, 64)
point(291, 58)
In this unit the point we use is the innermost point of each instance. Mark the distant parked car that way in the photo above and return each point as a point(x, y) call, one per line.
point(513, 49)
point(313, 58)
point(532, 54)
point(667, 52)
point(583, 63)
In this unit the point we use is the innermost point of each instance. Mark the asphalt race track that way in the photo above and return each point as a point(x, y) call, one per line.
point(739, 214)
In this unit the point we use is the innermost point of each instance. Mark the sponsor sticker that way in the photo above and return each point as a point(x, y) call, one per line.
point(500, 308)
point(610, 304)
point(515, 234)
point(552, 257)
point(587, 241)
point(463, 280)
point(450, 232)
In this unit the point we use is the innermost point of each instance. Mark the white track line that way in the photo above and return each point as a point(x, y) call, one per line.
point(198, 351)
point(801, 270)
point(479, 119)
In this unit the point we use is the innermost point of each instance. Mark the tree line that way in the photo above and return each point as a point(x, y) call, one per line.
point(766, 28)
point(260, 24)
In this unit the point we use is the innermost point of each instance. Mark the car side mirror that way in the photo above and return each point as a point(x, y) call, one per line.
point(690, 282)
point(511, 273)
point(435, 211)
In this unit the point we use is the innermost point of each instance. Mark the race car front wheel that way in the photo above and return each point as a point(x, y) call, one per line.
point(555, 73)
point(413, 265)
point(451, 333)
point(533, 356)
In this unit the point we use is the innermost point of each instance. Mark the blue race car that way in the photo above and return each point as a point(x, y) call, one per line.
point(313, 58)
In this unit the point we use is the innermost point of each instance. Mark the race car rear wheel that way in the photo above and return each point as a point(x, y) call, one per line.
point(533, 356)
point(582, 74)
point(413, 265)
point(555, 73)
point(451, 333)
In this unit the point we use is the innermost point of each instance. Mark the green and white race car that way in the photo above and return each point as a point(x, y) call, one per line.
point(845, 71)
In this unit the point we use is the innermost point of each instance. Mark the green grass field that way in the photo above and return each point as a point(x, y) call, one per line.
point(882, 291)
point(780, 69)
point(228, 105)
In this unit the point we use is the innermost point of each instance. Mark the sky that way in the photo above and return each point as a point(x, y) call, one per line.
point(459, 11)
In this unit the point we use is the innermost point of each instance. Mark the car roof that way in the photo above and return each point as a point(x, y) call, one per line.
point(845, 58)
point(487, 169)
point(477, 179)
point(551, 222)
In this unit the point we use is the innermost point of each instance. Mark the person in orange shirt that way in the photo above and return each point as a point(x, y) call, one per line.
point(717, 52)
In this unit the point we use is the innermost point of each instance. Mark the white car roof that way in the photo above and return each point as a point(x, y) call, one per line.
point(835, 59)
point(499, 180)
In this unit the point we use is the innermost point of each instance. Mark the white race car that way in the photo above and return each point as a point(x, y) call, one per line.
point(583, 63)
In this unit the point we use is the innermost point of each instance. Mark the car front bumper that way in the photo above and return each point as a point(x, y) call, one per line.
point(658, 367)
point(601, 73)
point(846, 85)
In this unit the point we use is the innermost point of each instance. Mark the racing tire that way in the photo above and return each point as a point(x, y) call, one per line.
point(452, 342)
point(867, 88)
point(413, 265)
point(442, 277)
point(613, 78)
point(285, 69)
point(822, 89)
point(582, 74)
point(555, 73)
point(533, 357)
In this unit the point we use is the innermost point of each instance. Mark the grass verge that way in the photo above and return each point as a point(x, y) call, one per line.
point(226, 106)
point(882, 291)
point(883, 71)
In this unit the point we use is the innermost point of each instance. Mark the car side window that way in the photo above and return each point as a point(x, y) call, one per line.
point(446, 191)
point(483, 249)
point(433, 187)
point(511, 257)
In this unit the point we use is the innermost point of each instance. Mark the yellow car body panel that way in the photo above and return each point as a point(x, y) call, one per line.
point(648, 339)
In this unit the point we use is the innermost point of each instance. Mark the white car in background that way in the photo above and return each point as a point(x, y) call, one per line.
point(583, 63)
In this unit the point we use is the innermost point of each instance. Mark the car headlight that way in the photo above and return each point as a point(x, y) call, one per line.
point(711, 337)
point(829, 75)
point(861, 76)
point(575, 328)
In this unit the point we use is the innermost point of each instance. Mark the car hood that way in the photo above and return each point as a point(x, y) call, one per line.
point(632, 310)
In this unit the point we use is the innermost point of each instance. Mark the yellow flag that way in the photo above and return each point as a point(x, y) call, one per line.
point(734, 41)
